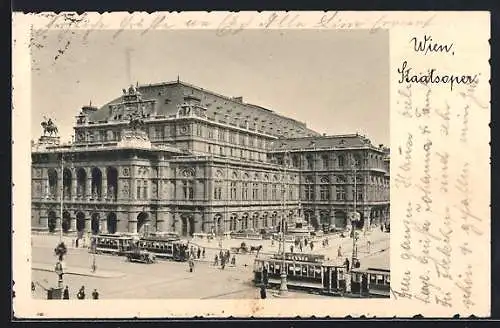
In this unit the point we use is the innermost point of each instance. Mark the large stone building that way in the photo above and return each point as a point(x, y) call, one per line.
point(175, 157)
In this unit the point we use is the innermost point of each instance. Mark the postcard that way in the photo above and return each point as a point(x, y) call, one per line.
point(251, 164)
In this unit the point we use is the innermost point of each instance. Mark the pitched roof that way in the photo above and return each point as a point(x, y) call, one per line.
point(229, 110)
point(324, 141)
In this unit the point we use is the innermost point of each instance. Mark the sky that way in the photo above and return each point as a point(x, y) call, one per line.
point(336, 81)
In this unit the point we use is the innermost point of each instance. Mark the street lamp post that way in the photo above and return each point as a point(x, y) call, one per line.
point(62, 199)
point(283, 276)
point(353, 218)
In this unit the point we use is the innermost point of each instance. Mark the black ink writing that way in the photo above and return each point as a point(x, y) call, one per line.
point(432, 77)
point(427, 44)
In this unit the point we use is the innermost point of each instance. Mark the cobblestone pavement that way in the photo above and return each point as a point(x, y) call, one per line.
point(168, 279)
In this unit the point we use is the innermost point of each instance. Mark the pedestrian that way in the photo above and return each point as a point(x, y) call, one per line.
point(312, 246)
point(199, 253)
point(203, 253)
point(216, 260)
point(76, 242)
point(33, 288)
point(191, 265)
point(221, 254)
point(368, 245)
point(382, 227)
point(66, 293)
point(223, 263)
point(94, 266)
point(291, 248)
point(346, 262)
point(81, 293)
point(95, 294)
point(300, 246)
point(263, 292)
point(339, 251)
point(228, 255)
point(233, 260)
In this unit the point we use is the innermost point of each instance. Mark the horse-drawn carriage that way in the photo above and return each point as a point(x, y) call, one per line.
point(244, 249)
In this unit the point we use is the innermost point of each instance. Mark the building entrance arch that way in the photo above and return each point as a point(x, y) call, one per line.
point(66, 222)
point(187, 229)
point(94, 225)
point(142, 219)
point(52, 221)
point(80, 222)
point(340, 219)
point(111, 222)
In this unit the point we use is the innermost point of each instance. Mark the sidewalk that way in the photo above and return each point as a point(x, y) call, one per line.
point(78, 271)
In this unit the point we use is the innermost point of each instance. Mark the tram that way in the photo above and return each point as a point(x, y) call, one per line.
point(370, 282)
point(304, 271)
point(115, 244)
point(169, 247)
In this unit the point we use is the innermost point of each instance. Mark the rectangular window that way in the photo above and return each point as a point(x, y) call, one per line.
point(255, 192)
point(138, 196)
point(187, 189)
point(233, 190)
point(264, 191)
point(309, 192)
point(340, 193)
point(273, 192)
point(324, 192)
point(244, 191)
point(145, 190)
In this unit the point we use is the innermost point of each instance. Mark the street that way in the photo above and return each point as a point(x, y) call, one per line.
point(116, 278)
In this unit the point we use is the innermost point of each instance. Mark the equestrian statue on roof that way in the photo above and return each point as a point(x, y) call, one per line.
point(49, 128)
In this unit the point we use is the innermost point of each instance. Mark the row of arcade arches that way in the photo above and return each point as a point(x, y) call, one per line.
point(82, 180)
point(111, 222)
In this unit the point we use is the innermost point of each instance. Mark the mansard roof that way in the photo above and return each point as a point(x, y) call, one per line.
point(169, 95)
point(325, 141)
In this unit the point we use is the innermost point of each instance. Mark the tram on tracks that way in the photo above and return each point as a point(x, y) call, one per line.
point(115, 244)
point(371, 282)
point(164, 245)
point(311, 272)
point(304, 271)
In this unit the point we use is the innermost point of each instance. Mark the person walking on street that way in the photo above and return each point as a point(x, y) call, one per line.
point(95, 294)
point(33, 288)
point(223, 262)
point(291, 248)
point(203, 253)
point(300, 246)
point(263, 292)
point(233, 260)
point(216, 260)
point(199, 253)
point(94, 266)
point(66, 293)
point(81, 293)
point(346, 262)
point(312, 246)
point(339, 251)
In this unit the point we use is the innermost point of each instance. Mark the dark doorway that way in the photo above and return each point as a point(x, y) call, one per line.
point(52, 221)
point(111, 222)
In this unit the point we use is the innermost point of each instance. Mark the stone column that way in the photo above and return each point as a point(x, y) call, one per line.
point(72, 224)
point(88, 224)
point(74, 184)
point(367, 219)
point(132, 223)
point(88, 185)
point(44, 220)
point(104, 184)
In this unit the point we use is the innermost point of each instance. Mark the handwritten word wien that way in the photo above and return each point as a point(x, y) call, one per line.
point(432, 77)
point(427, 45)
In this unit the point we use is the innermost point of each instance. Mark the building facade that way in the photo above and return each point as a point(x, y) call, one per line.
point(175, 157)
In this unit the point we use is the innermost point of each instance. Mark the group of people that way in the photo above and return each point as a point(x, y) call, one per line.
point(302, 243)
point(196, 252)
point(224, 258)
point(81, 294)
